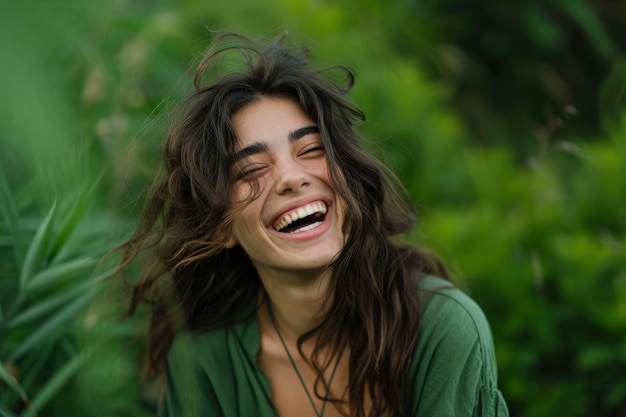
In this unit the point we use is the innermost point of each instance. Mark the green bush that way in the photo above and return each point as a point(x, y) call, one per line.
point(541, 247)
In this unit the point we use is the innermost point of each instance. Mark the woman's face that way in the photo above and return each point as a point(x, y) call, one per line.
point(295, 223)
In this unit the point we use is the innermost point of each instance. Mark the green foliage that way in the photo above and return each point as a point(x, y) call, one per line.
point(45, 299)
point(516, 67)
point(505, 121)
point(542, 249)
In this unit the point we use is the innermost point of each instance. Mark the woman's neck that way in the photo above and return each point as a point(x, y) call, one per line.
point(297, 302)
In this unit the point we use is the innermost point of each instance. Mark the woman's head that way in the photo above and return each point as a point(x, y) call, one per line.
point(293, 223)
point(202, 144)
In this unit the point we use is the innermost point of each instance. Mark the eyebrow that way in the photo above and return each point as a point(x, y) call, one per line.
point(256, 147)
point(259, 147)
point(301, 132)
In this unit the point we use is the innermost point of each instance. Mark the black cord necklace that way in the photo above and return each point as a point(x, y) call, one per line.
point(319, 413)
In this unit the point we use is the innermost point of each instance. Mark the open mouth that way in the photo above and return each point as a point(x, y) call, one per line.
point(302, 219)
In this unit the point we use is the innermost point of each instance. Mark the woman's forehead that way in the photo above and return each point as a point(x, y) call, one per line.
point(269, 119)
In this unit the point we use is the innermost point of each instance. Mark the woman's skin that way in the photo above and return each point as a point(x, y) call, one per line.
point(281, 149)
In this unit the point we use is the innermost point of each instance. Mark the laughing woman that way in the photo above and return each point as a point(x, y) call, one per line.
point(277, 282)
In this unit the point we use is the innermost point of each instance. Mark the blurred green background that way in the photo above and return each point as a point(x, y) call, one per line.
point(506, 121)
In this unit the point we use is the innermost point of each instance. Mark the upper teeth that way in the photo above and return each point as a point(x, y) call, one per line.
point(300, 213)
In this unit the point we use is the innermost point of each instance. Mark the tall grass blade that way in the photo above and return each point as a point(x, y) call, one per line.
point(55, 275)
point(11, 218)
point(12, 383)
point(74, 216)
point(44, 308)
point(38, 249)
point(53, 324)
point(35, 365)
point(56, 383)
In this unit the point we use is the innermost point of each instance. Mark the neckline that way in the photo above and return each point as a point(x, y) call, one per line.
point(319, 413)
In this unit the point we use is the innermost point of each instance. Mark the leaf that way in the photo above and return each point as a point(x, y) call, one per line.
point(38, 248)
point(589, 22)
point(33, 366)
point(56, 383)
point(74, 216)
point(12, 383)
point(597, 357)
point(44, 280)
point(11, 219)
point(53, 324)
point(44, 308)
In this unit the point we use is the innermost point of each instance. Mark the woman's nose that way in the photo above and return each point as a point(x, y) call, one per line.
point(290, 177)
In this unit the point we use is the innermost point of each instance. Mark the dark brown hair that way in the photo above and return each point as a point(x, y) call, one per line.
point(192, 281)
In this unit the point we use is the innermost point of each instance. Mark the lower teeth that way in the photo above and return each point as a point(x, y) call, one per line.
point(307, 227)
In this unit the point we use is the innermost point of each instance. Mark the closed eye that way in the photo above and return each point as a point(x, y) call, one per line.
point(249, 171)
point(313, 150)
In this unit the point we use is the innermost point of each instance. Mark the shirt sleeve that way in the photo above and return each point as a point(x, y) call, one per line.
point(453, 372)
point(189, 391)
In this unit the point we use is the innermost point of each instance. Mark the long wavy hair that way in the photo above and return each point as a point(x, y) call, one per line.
point(193, 281)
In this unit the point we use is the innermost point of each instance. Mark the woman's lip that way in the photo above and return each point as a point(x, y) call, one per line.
point(299, 204)
point(307, 234)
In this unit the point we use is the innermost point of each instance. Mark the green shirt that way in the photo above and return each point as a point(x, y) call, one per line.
point(452, 371)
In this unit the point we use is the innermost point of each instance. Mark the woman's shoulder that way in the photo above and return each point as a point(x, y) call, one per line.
point(445, 307)
point(453, 370)
point(455, 330)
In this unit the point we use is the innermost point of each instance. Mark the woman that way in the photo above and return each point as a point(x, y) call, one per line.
point(277, 283)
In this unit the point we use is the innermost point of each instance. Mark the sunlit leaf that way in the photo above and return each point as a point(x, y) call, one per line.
point(38, 249)
point(47, 278)
point(50, 305)
point(74, 217)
